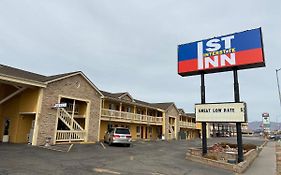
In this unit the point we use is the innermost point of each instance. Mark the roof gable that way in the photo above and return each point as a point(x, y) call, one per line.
point(71, 74)
point(126, 96)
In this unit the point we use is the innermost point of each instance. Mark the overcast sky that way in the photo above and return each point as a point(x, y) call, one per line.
point(131, 46)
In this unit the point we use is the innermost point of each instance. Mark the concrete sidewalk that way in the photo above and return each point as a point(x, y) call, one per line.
point(265, 162)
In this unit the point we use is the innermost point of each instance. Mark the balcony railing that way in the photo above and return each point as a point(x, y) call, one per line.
point(185, 124)
point(108, 114)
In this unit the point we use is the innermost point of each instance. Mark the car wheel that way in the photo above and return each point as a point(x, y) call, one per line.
point(128, 145)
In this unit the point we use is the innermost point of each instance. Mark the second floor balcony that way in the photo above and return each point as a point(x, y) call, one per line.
point(121, 116)
point(185, 124)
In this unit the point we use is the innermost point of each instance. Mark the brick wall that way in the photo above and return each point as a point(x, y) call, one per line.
point(172, 111)
point(67, 87)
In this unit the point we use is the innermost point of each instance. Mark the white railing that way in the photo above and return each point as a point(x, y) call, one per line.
point(128, 116)
point(69, 108)
point(187, 124)
point(65, 135)
point(68, 120)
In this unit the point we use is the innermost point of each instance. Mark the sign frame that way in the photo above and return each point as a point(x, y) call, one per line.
point(244, 120)
point(194, 61)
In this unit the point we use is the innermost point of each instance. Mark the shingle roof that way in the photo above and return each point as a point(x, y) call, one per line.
point(14, 72)
point(164, 106)
point(136, 101)
point(50, 78)
point(190, 115)
point(113, 95)
point(19, 73)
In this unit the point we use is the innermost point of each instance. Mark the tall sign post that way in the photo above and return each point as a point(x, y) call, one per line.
point(238, 124)
point(204, 124)
point(231, 52)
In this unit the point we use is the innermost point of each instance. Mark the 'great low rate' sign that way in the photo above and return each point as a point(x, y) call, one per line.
point(221, 112)
point(240, 50)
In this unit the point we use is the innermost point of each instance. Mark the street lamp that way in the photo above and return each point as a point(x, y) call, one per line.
point(278, 84)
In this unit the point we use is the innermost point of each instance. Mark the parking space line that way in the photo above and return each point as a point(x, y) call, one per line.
point(157, 174)
point(100, 170)
point(102, 145)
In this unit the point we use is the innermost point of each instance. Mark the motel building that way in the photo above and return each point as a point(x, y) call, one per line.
point(68, 108)
point(187, 126)
point(27, 112)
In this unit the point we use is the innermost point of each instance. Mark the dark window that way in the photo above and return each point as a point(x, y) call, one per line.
point(122, 131)
point(138, 129)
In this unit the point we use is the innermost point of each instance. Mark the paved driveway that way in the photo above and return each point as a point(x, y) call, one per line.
point(146, 158)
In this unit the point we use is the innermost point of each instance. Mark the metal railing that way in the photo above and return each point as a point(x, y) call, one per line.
point(129, 117)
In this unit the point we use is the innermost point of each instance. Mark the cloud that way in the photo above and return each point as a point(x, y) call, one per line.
point(132, 45)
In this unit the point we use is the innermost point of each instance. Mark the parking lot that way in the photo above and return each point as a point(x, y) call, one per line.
point(154, 158)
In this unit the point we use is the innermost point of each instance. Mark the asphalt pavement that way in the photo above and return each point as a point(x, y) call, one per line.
point(142, 158)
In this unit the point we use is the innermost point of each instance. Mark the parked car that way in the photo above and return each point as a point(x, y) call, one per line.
point(118, 135)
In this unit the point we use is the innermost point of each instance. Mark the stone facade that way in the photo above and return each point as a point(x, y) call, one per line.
point(171, 112)
point(75, 87)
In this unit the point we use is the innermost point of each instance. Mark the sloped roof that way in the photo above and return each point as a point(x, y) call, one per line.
point(14, 72)
point(163, 106)
point(113, 95)
point(30, 76)
point(58, 76)
point(181, 111)
point(135, 101)
point(191, 115)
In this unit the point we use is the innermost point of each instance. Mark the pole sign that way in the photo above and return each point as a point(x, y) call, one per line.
point(265, 120)
point(240, 50)
point(221, 112)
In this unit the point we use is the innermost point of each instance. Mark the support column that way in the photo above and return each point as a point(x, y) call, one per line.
point(238, 124)
point(204, 124)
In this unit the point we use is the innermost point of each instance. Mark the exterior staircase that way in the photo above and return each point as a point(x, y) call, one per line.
point(172, 134)
point(75, 132)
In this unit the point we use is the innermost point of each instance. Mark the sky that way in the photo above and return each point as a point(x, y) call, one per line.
point(131, 46)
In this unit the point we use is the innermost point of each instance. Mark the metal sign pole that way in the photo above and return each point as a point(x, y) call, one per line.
point(238, 124)
point(203, 101)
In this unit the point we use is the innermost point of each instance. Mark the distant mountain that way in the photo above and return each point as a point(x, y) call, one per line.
point(258, 125)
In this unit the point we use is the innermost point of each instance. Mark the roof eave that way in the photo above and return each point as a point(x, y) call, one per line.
point(133, 103)
point(22, 81)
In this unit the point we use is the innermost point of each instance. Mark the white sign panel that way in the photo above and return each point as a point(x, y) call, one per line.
point(60, 105)
point(221, 112)
point(265, 119)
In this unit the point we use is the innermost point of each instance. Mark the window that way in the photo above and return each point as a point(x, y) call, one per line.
point(138, 129)
point(150, 129)
point(111, 106)
point(122, 131)
point(128, 109)
point(109, 126)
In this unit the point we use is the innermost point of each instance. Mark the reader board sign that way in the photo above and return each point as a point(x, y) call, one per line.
point(221, 112)
point(240, 50)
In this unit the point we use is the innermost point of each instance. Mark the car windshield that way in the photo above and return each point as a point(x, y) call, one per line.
point(122, 131)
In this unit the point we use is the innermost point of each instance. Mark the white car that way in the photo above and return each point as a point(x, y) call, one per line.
point(118, 135)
